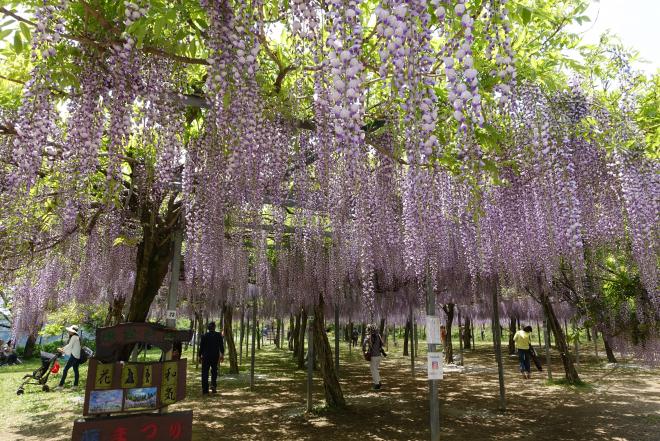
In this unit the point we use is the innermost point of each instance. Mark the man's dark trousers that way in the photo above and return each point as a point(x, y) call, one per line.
point(206, 365)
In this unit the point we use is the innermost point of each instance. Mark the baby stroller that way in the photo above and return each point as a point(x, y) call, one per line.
point(40, 375)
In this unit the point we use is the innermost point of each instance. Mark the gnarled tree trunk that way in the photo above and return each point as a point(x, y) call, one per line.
point(229, 338)
point(512, 332)
point(449, 349)
point(277, 333)
point(115, 309)
point(290, 333)
point(467, 334)
point(30, 344)
point(331, 387)
point(560, 339)
point(294, 336)
point(406, 336)
point(608, 349)
point(153, 258)
point(301, 340)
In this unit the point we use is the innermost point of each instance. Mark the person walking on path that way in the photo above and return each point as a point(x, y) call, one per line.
point(522, 339)
point(72, 349)
point(372, 347)
point(211, 352)
point(354, 337)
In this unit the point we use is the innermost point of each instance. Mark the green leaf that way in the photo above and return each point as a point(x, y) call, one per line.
point(4, 33)
point(526, 15)
point(18, 43)
point(26, 31)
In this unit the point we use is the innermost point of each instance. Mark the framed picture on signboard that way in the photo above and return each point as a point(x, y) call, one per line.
point(106, 401)
point(141, 398)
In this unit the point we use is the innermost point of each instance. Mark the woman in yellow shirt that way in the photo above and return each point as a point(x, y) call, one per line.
point(522, 339)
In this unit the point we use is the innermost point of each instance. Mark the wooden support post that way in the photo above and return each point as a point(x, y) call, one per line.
point(460, 336)
point(576, 342)
point(241, 336)
point(337, 340)
point(310, 363)
point(254, 338)
point(412, 346)
point(497, 342)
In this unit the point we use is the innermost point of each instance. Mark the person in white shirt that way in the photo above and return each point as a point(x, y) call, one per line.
point(72, 349)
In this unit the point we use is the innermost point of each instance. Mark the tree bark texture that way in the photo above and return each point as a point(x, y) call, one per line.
point(115, 310)
point(608, 350)
point(30, 344)
point(278, 333)
point(290, 333)
point(449, 349)
point(229, 339)
point(154, 254)
point(301, 339)
point(467, 334)
point(241, 332)
point(406, 336)
point(258, 334)
point(512, 332)
point(295, 340)
point(331, 387)
point(560, 339)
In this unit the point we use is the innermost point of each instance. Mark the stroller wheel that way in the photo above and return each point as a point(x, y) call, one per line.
point(20, 392)
point(45, 388)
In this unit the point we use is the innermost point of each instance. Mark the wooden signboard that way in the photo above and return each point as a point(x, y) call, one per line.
point(111, 341)
point(171, 426)
point(128, 387)
point(116, 386)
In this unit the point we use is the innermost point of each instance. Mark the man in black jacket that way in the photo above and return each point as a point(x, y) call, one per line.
point(211, 351)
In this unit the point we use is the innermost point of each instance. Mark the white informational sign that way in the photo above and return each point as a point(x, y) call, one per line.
point(171, 314)
point(435, 365)
point(433, 330)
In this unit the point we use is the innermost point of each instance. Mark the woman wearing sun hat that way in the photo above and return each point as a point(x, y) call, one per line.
point(72, 349)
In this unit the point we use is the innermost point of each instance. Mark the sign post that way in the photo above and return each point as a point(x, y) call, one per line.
point(435, 367)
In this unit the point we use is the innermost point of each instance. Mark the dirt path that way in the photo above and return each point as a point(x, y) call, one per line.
point(621, 403)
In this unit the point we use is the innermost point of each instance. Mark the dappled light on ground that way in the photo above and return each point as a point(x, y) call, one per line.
point(617, 402)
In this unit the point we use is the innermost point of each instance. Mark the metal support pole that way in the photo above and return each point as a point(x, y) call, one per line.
point(434, 404)
point(254, 340)
point(497, 342)
point(337, 340)
point(310, 363)
point(174, 277)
